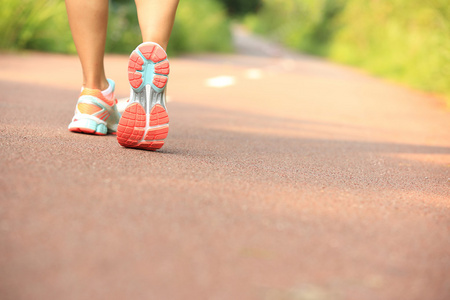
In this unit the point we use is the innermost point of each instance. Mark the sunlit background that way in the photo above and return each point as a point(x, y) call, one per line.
point(404, 40)
point(286, 175)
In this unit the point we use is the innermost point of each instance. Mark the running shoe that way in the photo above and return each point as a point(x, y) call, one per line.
point(94, 113)
point(145, 123)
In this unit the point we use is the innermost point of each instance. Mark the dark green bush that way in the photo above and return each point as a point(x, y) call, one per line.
point(239, 7)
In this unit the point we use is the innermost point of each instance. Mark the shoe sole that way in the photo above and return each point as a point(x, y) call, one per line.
point(145, 123)
point(88, 126)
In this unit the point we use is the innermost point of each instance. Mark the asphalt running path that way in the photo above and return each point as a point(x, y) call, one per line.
point(283, 177)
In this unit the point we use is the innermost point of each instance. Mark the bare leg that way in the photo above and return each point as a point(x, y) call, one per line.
point(88, 22)
point(156, 19)
point(145, 123)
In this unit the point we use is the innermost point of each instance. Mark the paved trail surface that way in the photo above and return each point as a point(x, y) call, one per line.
point(283, 177)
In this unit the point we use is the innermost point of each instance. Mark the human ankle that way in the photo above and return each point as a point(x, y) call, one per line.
point(108, 93)
point(96, 85)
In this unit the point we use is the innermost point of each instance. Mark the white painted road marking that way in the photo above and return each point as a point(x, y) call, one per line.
point(220, 82)
point(253, 74)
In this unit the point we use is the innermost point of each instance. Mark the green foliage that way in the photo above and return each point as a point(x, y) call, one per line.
point(239, 7)
point(307, 25)
point(42, 25)
point(405, 40)
point(34, 24)
point(200, 26)
point(123, 28)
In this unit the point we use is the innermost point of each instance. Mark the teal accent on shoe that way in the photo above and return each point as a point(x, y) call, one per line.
point(86, 123)
point(89, 124)
point(148, 72)
point(102, 128)
point(112, 84)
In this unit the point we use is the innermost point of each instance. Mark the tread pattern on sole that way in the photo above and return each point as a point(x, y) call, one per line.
point(135, 64)
point(158, 116)
point(152, 52)
point(131, 126)
point(132, 131)
point(154, 55)
point(147, 65)
point(162, 68)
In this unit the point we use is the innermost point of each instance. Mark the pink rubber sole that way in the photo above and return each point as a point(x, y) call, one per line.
point(132, 131)
point(85, 130)
point(148, 68)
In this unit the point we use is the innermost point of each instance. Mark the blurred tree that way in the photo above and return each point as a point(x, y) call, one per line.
point(405, 40)
point(241, 7)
